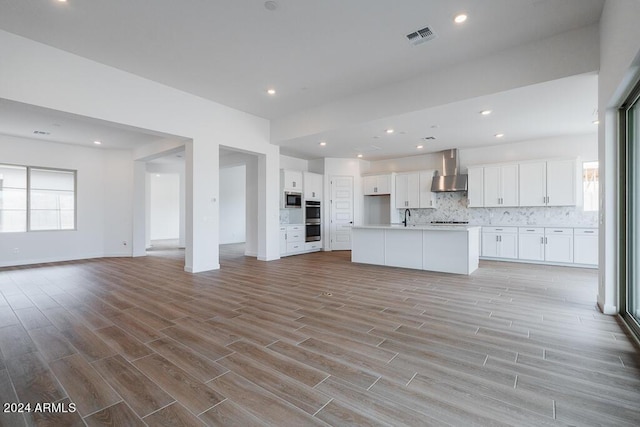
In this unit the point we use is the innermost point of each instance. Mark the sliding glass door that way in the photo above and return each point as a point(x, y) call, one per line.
point(630, 212)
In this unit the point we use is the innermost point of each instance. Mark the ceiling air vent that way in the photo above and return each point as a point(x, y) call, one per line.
point(421, 36)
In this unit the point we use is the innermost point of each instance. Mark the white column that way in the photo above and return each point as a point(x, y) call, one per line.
point(140, 209)
point(202, 184)
point(269, 206)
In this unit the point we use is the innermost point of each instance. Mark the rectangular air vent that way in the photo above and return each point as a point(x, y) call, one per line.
point(421, 36)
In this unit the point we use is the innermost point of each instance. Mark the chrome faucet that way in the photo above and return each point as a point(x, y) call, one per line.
point(406, 211)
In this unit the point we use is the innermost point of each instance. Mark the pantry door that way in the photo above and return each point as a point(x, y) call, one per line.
point(341, 212)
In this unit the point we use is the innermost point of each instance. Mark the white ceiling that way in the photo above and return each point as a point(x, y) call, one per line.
point(315, 52)
point(28, 121)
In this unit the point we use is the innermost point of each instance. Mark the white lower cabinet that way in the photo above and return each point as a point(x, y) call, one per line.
point(585, 246)
point(531, 243)
point(283, 241)
point(312, 246)
point(562, 245)
point(558, 244)
point(292, 241)
point(500, 242)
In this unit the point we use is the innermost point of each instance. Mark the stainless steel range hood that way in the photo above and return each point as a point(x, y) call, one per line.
point(450, 179)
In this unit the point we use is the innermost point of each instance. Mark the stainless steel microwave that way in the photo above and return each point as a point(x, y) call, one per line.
point(292, 199)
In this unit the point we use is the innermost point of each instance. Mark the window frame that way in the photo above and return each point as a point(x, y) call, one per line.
point(28, 197)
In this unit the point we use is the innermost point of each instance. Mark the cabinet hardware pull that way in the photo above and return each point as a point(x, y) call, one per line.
point(589, 232)
point(542, 240)
point(531, 230)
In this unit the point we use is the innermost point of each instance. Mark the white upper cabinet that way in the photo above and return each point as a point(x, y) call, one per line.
point(427, 197)
point(561, 183)
point(533, 184)
point(548, 183)
point(291, 180)
point(501, 185)
point(312, 186)
point(407, 192)
point(375, 185)
point(475, 189)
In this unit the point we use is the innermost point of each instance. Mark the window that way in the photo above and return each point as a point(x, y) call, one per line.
point(590, 187)
point(36, 199)
point(13, 198)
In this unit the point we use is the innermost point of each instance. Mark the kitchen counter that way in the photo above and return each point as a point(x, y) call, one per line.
point(442, 248)
point(448, 227)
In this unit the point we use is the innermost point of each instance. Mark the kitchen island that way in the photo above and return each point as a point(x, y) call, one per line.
point(442, 248)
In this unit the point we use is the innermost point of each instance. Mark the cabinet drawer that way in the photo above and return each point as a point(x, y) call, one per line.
point(585, 232)
point(295, 236)
point(501, 230)
point(531, 230)
point(558, 231)
point(295, 247)
point(293, 228)
point(313, 245)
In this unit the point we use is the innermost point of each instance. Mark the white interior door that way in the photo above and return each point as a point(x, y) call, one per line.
point(341, 212)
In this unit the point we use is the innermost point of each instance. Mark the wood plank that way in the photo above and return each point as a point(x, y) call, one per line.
point(33, 380)
point(123, 343)
point(199, 366)
point(188, 390)
point(32, 318)
point(298, 394)
point(140, 393)
point(85, 386)
point(117, 415)
point(8, 395)
point(285, 365)
point(51, 343)
point(260, 403)
point(174, 415)
point(229, 414)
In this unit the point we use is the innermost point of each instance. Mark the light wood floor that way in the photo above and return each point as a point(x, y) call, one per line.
point(311, 340)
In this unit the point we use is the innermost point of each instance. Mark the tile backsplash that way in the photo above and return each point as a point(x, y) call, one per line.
point(453, 207)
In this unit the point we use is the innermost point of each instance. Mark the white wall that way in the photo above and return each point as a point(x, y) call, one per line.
point(37, 74)
point(293, 163)
point(164, 206)
point(619, 68)
point(233, 201)
point(104, 203)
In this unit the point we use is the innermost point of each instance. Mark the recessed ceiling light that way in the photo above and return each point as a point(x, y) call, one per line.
point(389, 131)
point(460, 18)
point(596, 122)
point(485, 112)
point(97, 142)
point(322, 143)
point(359, 156)
point(499, 135)
point(270, 5)
point(271, 91)
point(62, 1)
point(419, 147)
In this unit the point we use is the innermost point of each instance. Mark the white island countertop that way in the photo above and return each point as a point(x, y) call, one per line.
point(447, 227)
point(444, 248)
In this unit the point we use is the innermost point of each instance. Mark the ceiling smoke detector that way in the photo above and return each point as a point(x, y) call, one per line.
point(421, 36)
